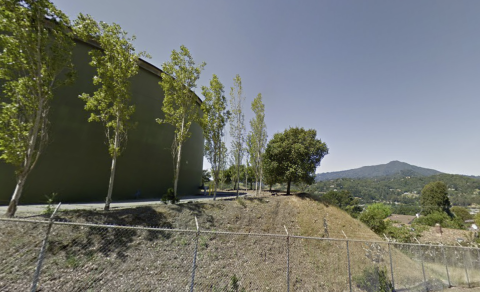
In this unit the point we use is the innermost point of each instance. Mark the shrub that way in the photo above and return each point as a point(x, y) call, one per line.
point(441, 218)
point(50, 207)
point(170, 196)
point(406, 234)
point(461, 213)
point(374, 215)
point(374, 279)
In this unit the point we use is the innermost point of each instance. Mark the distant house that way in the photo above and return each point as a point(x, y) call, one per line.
point(399, 220)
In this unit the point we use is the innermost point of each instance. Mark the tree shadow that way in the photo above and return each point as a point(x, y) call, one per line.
point(88, 240)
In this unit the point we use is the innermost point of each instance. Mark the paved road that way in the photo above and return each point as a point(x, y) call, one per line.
point(39, 208)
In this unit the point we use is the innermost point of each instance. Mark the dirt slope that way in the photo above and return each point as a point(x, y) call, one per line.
point(108, 259)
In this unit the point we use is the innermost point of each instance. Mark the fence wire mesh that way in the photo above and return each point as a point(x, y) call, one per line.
point(88, 257)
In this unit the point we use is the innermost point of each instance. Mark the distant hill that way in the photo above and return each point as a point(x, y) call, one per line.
point(390, 169)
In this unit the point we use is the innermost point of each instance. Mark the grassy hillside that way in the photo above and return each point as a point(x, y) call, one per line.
point(88, 258)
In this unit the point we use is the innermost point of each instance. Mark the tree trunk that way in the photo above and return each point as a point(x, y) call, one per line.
point(237, 183)
point(116, 144)
point(12, 207)
point(260, 184)
point(177, 172)
point(215, 191)
point(246, 180)
point(110, 182)
point(288, 187)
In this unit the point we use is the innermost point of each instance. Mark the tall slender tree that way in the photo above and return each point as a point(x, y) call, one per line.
point(36, 55)
point(180, 103)
point(215, 116)
point(116, 62)
point(257, 140)
point(237, 126)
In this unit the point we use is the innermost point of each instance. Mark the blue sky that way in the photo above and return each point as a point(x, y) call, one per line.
point(378, 80)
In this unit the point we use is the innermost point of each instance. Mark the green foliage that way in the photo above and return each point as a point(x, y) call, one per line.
point(461, 213)
point(235, 285)
point(477, 219)
point(206, 176)
point(293, 156)
point(441, 218)
point(406, 234)
point(257, 138)
point(406, 209)
point(405, 190)
point(373, 216)
point(434, 198)
point(215, 117)
point(343, 200)
point(116, 62)
point(50, 207)
point(170, 197)
point(35, 59)
point(237, 126)
point(374, 279)
point(180, 104)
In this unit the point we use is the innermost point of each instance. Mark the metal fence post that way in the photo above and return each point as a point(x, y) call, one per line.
point(348, 265)
point(194, 265)
point(423, 270)
point(391, 266)
point(446, 266)
point(288, 259)
point(36, 276)
point(465, 265)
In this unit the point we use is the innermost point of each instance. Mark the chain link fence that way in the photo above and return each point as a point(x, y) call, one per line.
point(68, 256)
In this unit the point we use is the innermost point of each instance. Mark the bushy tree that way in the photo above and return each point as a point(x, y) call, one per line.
point(373, 216)
point(461, 213)
point(180, 104)
point(116, 62)
point(434, 198)
point(293, 156)
point(35, 59)
point(441, 218)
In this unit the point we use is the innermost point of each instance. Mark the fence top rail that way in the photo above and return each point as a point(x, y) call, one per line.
point(95, 225)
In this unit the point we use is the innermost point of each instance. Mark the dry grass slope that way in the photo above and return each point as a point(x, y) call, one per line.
point(105, 259)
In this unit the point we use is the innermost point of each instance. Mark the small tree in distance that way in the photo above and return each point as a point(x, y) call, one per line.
point(293, 156)
point(116, 62)
point(180, 103)
point(35, 59)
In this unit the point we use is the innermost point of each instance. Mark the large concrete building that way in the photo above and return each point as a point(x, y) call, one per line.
point(76, 163)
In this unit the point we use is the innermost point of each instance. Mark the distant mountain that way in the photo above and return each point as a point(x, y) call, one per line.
point(390, 169)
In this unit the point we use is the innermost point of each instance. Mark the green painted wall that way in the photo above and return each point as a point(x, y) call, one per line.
point(76, 163)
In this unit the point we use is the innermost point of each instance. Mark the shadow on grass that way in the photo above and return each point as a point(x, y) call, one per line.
point(87, 241)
